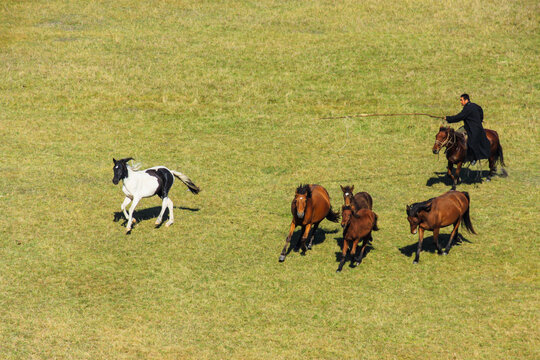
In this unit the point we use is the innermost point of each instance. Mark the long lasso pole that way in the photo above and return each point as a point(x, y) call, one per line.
point(368, 115)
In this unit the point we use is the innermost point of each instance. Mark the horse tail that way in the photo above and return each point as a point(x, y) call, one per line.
point(375, 218)
point(332, 216)
point(500, 156)
point(466, 220)
point(187, 181)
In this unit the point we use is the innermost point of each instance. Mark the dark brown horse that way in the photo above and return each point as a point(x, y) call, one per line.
point(456, 151)
point(357, 225)
point(450, 208)
point(311, 204)
point(360, 200)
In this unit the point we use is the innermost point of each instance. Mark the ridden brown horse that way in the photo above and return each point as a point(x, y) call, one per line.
point(360, 200)
point(456, 151)
point(449, 208)
point(311, 204)
point(357, 225)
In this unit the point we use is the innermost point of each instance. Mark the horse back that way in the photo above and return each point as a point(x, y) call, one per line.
point(165, 180)
point(447, 208)
point(320, 203)
point(364, 200)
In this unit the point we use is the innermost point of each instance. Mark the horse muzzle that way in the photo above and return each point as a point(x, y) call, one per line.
point(115, 181)
point(435, 151)
point(300, 215)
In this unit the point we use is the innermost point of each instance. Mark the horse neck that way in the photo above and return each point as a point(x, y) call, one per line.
point(131, 178)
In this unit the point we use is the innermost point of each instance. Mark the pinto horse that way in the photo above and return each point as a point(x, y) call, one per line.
point(147, 183)
point(456, 152)
point(450, 208)
point(360, 200)
point(357, 225)
point(310, 206)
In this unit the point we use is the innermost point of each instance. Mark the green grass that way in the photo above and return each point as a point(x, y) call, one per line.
point(231, 94)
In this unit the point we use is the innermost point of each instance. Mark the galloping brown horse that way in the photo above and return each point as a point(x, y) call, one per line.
point(311, 204)
point(357, 225)
point(449, 208)
point(456, 151)
point(360, 200)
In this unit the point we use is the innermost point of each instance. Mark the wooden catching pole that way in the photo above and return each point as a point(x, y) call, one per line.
point(368, 115)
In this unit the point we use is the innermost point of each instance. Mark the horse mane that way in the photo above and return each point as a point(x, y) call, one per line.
point(304, 189)
point(135, 166)
point(452, 132)
point(419, 206)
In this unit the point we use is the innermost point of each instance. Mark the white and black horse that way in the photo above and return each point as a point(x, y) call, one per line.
point(157, 180)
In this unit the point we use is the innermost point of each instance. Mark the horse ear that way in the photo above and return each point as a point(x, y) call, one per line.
point(342, 189)
point(352, 189)
point(114, 160)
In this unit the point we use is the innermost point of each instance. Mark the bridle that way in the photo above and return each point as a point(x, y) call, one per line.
point(448, 141)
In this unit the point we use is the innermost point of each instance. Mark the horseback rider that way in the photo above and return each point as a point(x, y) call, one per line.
point(477, 141)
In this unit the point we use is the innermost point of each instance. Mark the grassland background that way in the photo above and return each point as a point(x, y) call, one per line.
point(231, 93)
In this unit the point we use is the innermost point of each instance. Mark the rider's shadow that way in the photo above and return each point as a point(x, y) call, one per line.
point(466, 175)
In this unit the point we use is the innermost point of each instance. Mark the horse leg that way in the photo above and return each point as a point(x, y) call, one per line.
point(343, 255)
point(304, 239)
point(131, 209)
point(436, 238)
point(163, 207)
point(454, 232)
point(361, 255)
point(171, 215)
point(310, 244)
point(353, 251)
point(449, 169)
point(492, 168)
point(127, 200)
point(457, 179)
point(287, 242)
point(420, 240)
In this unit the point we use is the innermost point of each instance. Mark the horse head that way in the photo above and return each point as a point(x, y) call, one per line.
point(303, 193)
point(346, 214)
point(412, 213)
point(120, 170)
point(348, 192)
point(442, 138)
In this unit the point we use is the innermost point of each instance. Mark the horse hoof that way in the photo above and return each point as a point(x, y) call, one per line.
point(134, 220)
point(128, 231)
point(488, 179)
point(281, 258)
point(338, 271)
point(356, 264)
point(415, 262)
point(168, 224)
point(444, 253)
point(309, 247)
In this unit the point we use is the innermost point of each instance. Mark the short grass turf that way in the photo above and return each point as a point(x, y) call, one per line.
point(232, 94)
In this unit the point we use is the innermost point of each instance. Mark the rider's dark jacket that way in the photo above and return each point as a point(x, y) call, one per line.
point(477, 142)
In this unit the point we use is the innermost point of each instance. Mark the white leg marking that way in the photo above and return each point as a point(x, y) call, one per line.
point(163, 207)
point(171, 215)
point(131, 209)
point(124, 205)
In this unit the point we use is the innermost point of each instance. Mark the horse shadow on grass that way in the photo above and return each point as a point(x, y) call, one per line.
point(320, 237)
point(147, 214)
point(339, 254)
point(466, 175)
point(428, 245)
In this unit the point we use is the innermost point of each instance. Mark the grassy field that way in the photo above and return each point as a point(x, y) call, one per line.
point(232, 94)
